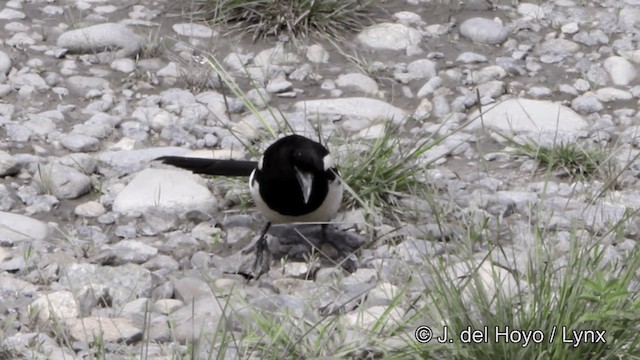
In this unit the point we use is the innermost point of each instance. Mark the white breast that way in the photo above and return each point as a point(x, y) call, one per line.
point(324, 213)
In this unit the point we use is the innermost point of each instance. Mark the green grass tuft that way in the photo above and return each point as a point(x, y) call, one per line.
point(569, 158)
point(295, 18)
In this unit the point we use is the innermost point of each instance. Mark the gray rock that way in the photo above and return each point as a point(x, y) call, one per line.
point(84, 163)
point(352, 108)
point(6, 199)
point(484, 31)
point(317, 54)
point(609, 94)
point(194, 30)
point(109, 329)
point(8, 164)
point(121, 283)
point(82, 85)
point(11, 14)
point(15, 228)
point(80, 143)
point(131, 251)
point(123, 65)
point(198, 319)
point(90, 209)
point(158, 220)
point(28, 80)
point(586, 104)
point(281, 304)
point(9, 284)
point(531, 12)
point(470, 58)
point(176, 190)
point(389, 36)
point(58, 305)
point(5, 63)
point(129, 161)
point(278, 85)
point(621, 71)
point(524, 115)
point(358, 82)
point(555, 50)
point(416, 251)
point(99, 38)
point(189, 289)
point(62, 181)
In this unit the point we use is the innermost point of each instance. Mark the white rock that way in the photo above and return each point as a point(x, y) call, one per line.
point(531, 11)
point(80, 143)
point(484, 31)
point(352, 108)
point(194, 30)
point(621, 71)
point(123, 65)
point(100, 38)
point(570, 28)
point(5, 63)
point(359, 82)
point(586, 104)
point(108, 329)
point(90, 209)
point(8, 164)
point(56, 306)
point(389, 36)
point(525, 115)
point(608, 94)
point(317, 54)
point(62, 181)
point(407, 18)
point(175, 190)
point(11, 14)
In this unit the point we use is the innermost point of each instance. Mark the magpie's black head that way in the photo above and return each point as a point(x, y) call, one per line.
point(297, 151)
point(294, 175)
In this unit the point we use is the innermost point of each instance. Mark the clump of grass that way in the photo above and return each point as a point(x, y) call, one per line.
point(153, 45)
point(295, 18)
point(569, 158)
point(585, 294)
point(382, 171)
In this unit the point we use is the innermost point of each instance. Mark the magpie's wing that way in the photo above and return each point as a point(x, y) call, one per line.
point(211, 166)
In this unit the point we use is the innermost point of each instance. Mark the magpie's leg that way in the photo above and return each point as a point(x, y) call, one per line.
point(262, 262)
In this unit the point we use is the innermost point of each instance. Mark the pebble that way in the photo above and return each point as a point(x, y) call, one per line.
point(389, 36)
point(90, 209)
point(62, 181)
point(358, 82)
point(621, 71)
point(484, 31)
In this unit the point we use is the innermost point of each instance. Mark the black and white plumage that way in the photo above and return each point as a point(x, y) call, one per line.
point(295, 181)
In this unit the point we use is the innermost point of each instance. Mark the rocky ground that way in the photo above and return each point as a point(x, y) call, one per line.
point(104, 252)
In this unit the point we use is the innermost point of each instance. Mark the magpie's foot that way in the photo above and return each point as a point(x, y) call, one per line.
point(349, 263)
point(262, 262)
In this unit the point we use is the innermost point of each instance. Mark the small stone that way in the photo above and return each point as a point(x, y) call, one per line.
point(90, 209)
point(484, 31)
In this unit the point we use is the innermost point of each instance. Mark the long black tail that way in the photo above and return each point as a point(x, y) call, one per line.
point(211, 166)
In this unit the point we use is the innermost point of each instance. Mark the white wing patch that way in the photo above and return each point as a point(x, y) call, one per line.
point(327, 162)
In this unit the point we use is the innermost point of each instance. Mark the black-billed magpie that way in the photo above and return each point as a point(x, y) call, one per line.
point(296, 180)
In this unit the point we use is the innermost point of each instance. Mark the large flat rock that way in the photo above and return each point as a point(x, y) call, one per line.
point(176, 190)
point(525, 115)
